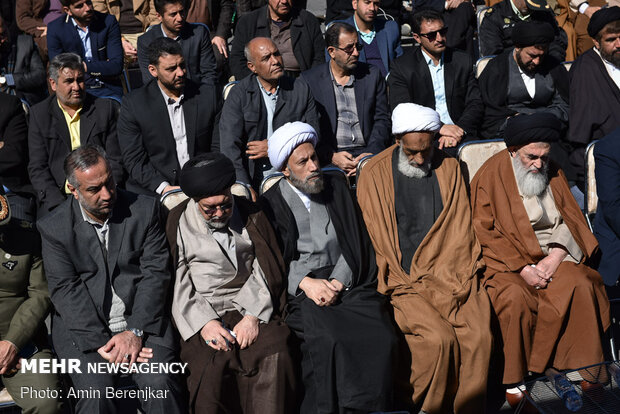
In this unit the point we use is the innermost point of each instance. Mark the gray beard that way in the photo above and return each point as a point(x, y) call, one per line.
point(413, 171)
point(305, 186)
point(530, 184)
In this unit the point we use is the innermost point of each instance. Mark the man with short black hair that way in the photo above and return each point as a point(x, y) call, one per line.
point(380, 37)
point(96, 38)
point(595, 86)
point(437, 77)
point(107, 267)
point(166, 122)
point(64, 122)
point(523, 79)
point(194, 39)
point(351, 98)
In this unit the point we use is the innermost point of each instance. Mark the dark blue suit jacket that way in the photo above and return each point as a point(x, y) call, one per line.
point(370, 100)
point(607, 221)
point(106, 63)
point(388, 40)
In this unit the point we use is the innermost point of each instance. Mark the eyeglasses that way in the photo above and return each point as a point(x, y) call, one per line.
point(433, 35)
point(222, 207)
point(349, 49)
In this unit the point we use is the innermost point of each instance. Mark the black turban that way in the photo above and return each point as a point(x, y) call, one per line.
point(538, 127)
point(532, 33)
point(206, 175)
point(601, 18)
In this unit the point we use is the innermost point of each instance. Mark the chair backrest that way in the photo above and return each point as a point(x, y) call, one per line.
point(227, 89)
point(362, 163)
point(481, 64)
point(241, 190)
point(173, 198)
point(591, 195)
point(269, 181)
point(473, 154)
point(568, 64)
point(480, 15)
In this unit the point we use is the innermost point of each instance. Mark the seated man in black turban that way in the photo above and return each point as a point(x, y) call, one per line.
point(228, 296)
point(523, 79)
point(551, 305)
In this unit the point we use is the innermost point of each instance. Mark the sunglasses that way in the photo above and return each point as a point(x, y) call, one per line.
point(222, 207)
point(433, 35)
point(349, 49)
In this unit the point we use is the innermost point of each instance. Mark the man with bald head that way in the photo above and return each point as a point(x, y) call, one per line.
point(415, 205)
point(551, 305)
point(258, 105)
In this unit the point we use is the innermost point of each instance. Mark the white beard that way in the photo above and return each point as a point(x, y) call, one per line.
point(530, 183)
point(413, 170)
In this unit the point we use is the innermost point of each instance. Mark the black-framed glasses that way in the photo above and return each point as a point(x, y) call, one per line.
point(349, 49)
point(222, 207)
point(433, 35)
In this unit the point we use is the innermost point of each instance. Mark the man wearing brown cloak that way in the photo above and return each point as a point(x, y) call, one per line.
point(416, 209)
point(228, 296)
point(551, 306)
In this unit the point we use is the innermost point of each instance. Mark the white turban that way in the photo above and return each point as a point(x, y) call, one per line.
point(410, 117)
point(285, 139)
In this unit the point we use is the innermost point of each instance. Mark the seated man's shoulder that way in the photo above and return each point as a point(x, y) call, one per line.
point(153, 33)
point(57, 23)
point(306, 16)
point(195, 30)
point(491, 167)
point(43, 108)
point(58, 218)
point(389, 25)
point(461, 58)
point(102, 106)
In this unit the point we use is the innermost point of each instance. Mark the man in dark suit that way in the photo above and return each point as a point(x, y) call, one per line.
point(352, 102)
point(106, 262)
point(380, 37)
point(63, 122)
point(257, 106)
point(94, 36)
point(23, 73)
point(14, 148)
point(440, 78)
point(194, 39)
point(166, 122)
point(607, 220)
point(296, 33)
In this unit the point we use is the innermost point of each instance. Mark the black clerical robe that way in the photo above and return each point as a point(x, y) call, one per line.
point(348, 347)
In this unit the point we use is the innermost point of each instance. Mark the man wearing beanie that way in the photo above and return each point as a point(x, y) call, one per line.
point(595, 86)
point(345, 334)
point(416, 208)
point(523, 79)
point(228, 296)
point(551, 305)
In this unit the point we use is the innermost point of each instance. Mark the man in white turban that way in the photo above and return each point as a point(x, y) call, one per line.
point(414, 201)
point(347, 340)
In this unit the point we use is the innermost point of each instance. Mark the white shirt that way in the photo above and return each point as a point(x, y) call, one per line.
point(177, 123)
point(85, 38)
point(303, 196)
point(614, 72)
point(439, 88)
point(530, 82)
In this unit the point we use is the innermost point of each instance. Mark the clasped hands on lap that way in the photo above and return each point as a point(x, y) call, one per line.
point(125, 347)
point(322, 292)
point(541, 274)
point(218, 337)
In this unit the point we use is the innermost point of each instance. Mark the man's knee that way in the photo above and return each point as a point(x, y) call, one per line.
point(41, 406)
